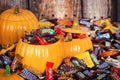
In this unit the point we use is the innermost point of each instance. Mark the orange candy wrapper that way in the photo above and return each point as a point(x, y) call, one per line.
point(65, 21)
point(109, 53)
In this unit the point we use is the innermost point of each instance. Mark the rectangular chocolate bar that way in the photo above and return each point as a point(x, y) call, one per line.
point(28, 75)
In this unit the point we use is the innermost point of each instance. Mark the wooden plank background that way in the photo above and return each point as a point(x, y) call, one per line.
point(55, 8)
point(6, 4)
point(61, 8)
point(97, 8)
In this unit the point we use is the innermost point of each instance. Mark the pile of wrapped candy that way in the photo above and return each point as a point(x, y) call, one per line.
point(42, 36)
point(105, 54)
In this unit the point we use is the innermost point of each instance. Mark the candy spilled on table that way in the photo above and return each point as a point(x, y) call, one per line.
point(104, 46)
point(101, 63)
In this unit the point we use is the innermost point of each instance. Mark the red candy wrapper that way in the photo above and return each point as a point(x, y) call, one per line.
point(115, 73)
point(13, 65)
point(60, 31)
point(114, 68)
point(49, 71)
point(41, 40)
point(80, 36)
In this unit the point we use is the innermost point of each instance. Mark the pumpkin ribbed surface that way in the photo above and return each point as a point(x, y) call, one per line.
point(76, 46)
point(12, 26)
point(14, 76)
point(36, 56)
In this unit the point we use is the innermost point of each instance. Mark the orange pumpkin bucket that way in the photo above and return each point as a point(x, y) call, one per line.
point(76, 46)
point(36, 56)
point(13, 23)
point(14, 76)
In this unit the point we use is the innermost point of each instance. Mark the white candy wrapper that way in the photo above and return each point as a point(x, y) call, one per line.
point(113, 62)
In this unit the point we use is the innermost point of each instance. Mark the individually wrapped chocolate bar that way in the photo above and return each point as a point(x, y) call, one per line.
point(35, 72)
point(117, 35)
point(69, 69)
point(64, 21)
point(13, 65)
point(6, 59)
point(16, 63)
point(104, 34)
point(115, 73)
point(88, 73)
point(115, 76)
point(28, 75)
point(49, 71)
point(96, 50)
point(65, 76)
point(104, 65)
point(113, 62)
point(50, 31)
point(117, 45)
point(101, 71)
point(109, 53)
point(101, 76)
point(80, 75)
point(94, 57)
point(79, 63)
point(86, 22)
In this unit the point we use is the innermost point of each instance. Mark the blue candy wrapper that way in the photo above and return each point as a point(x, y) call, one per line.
point(28, 75)
point(88, 73)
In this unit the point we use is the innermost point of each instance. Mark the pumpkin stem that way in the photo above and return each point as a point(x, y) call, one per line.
point(16, 10)
point(76, 24)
